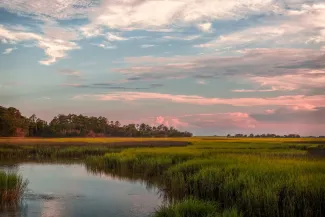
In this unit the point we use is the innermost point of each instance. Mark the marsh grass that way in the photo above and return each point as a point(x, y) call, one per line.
point(12, 187)
point(24, 152)
point(74, 148)
point(188, 208)
point(195, 208)
point(260, 179)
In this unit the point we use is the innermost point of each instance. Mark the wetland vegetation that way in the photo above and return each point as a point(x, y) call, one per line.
point(208, 176)
point(248, 177)
point(12, 187)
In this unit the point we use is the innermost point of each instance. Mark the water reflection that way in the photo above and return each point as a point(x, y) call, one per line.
point(61, 190)
point(51, 208)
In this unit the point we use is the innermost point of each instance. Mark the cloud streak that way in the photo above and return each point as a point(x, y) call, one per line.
point(298, 101)
point(148, 45)
point(8, 51)
point(70, 73)
point(271, 69)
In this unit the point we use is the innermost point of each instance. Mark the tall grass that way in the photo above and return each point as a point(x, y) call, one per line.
point(259, 179)
point(25, 152)
point(195, 208)
point(12, 188)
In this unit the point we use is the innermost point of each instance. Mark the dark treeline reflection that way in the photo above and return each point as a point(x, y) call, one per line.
point(13, 123)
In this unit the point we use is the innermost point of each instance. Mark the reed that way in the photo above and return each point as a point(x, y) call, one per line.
point(12, 188)
point(195, 208)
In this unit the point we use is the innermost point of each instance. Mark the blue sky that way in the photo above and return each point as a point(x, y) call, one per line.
point(208, 66)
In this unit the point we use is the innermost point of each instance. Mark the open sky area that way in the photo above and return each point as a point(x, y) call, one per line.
point(206, 66)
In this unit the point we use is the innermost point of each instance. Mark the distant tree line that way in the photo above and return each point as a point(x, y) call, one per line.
point(269, 135)
point(13, 123)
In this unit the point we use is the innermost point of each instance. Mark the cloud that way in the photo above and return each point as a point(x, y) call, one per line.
point(252, 91)
point(70, 73)
point(182, 38)
point(55, 50)
point(210, 122)
point(304, 25)
point(112, 86)
point(147, 45)
point(285, 115)
point(247, 64)
point(59, 33)
point(281, 121)
point(71, 85)
point(90, 31)
point(54, 46)
point(205, 27)
point(238, 122)
point(156, 15)
point(4, 41)
point(207, 124)
point(106, 46)
point(54, 9)
point(289, 100)
point(170, 122)
point(114, 37)
point(202, 82)
point(269, 111)
point(302, 80)
point(231, 120)
point(9, 50)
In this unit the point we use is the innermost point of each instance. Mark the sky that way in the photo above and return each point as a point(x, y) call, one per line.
point(211, 67)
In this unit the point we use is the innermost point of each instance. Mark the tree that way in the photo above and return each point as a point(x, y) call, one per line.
point(12, 123)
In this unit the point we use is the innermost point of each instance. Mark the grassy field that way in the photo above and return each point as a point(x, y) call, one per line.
point(203, 176)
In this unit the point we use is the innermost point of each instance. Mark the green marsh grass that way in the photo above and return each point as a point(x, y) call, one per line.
point(261, 178)
point(207, 176)
point(12, 188)
point(195, 208)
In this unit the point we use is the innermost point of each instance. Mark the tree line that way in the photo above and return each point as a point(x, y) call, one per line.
point(13, 123)
point(268, 135)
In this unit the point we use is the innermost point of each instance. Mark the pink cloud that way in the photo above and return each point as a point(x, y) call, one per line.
point(239, 122)
point(221, 120)
point(170, 122)
point(252, 91)
point(218, 122)
point(301, 79)
point(288, 100)
point(269, 111)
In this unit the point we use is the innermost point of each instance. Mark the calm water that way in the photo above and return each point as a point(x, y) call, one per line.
point(70, 191)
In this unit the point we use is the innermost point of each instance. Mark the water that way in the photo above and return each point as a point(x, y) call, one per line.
point(70, 191)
